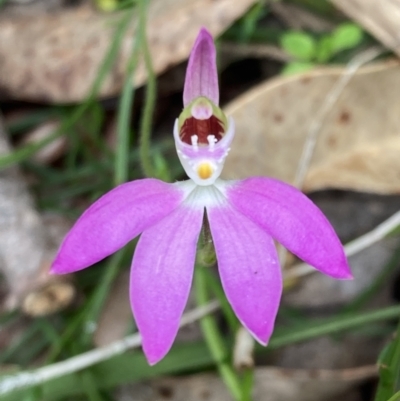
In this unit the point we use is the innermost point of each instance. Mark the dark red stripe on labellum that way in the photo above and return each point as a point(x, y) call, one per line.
point(201, 128)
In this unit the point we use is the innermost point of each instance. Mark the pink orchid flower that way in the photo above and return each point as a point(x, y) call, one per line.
point(244, 217)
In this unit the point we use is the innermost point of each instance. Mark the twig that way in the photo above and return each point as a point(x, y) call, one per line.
point(255, 50)
point(150, 98)
point(353, 247)
point(297, 17)
point(23, 380)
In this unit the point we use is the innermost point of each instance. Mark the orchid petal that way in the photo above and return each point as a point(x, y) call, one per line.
point(161, 277)
point(201, 74)
point(114, 220)
point(292, 219)
point(249, 269)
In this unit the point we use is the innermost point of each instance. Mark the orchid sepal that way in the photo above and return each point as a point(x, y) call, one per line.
point(201, 74)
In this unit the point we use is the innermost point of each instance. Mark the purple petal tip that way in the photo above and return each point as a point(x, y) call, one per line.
point(261, 341)
point(204, 33)
point(153, 360)
point(345, 276)
point(56, 269)
point(154, 354)
point(201, 74)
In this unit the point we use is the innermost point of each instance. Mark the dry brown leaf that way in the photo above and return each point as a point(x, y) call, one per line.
point(55, 56)
point(381, 18)
point(359, 144)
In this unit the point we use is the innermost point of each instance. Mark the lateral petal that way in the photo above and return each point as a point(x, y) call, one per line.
point(249, 269)
point(161, 276)
point(114, 220)
point(294, 220)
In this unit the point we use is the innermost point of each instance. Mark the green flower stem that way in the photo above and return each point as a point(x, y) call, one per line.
point(150, 97)
point(247, 384)
point(103, 289)
point(389, 369)
point(216, 288)
point(324, 327)
point(214, 340)
point(395, 397)
point(90, 387)
point(124, 116)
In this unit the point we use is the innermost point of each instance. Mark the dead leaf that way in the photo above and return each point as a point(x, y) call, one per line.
point(70, 44)
point(381, 18)
point(359, 144)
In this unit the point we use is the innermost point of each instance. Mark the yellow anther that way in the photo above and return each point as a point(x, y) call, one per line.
point(204, 170)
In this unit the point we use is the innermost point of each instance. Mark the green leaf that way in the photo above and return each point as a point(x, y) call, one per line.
point(346, 36)
point(296, 67)
point(396, 397)
point(320, 327)
point(299, 45)
point(389, 370)
point(324, 49)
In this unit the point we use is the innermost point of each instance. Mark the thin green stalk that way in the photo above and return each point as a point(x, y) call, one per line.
point(89, 386)
point(247, 384)
point(389, 369)
point(226, 308)
point(214, 340)
point(319, 328)
point(124, 116)
point(150, 98)
point(395, 397)
point(103, 288)
point(25, 338)
point(112, 53)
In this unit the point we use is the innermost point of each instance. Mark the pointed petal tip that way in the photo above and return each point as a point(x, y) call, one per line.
point(62, 265)
point(346, 275)
point(204, 33)
point(201, 74)
point(57, 269)
point(153, 356)
point(152, 360)
point(293, 220)
point(261, 341)
point(263, 338)
point(342, 272)
point(264, 333)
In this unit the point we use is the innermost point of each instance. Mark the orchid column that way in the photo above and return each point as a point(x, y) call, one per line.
point(244, 217)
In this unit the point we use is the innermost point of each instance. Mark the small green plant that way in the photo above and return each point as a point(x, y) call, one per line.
point(308, 51)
